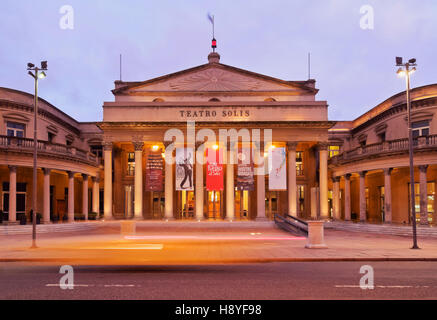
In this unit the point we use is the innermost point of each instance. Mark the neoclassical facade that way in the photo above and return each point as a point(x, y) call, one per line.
point(150, 156)
point(369, 167)
point(214, 98)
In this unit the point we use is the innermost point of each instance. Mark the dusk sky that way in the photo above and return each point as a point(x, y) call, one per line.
point(354, 68)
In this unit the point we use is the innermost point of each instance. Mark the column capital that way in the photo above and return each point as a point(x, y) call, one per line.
point(95, 179)
point(167, 143)
point(423, 168)
point(107, 145)
point(362, 173)
point(347, 176)
point(46, 170)
point(322, 146)
point(335, 179)
point(12, 168)
point(291, 145)
point(387, 171)
point(84, 176)
point(138, 145)
point(70, 174)
point(199, 144)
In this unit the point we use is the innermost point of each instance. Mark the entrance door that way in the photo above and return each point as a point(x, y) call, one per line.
point(187, 204)
point(272, 204)
point(242, 204)
point(158, 205)
point(214, 204)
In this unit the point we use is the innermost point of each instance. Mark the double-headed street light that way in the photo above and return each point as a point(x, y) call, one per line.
point(37, 74)
point(405, 71)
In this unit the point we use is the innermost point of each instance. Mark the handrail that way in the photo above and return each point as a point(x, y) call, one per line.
point(297, 219)
point(395, 145)
point(290, 226)
point(27, 143)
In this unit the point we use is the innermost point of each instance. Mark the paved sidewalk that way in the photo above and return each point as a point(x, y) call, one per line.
point(188, 243)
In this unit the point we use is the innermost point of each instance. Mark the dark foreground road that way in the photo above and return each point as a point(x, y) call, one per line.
point(296, 280)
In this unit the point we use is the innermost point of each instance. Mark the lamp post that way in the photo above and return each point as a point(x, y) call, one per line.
point(37, 74)
point(404, 70)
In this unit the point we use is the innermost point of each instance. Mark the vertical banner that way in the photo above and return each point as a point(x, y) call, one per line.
point(154, 168)
point(214, 170)
point(184, 169)
point(277, 169)
point(245, 170)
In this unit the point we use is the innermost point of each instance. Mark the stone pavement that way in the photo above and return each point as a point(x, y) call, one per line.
point(161, 243)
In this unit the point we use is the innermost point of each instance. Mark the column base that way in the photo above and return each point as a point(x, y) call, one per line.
point(11, 223)
point(262, 219)
point(169, 219)
point(316, 246)
point(46, 222)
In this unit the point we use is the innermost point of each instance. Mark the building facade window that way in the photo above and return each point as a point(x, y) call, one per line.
point(21, 197)
point(97, 150)
point(50, 137)
point(333, 151)
point(430, 186)
point(130, 164)
point(301, 199)
point(299, 163)
point(420, 128)
point(15, 129)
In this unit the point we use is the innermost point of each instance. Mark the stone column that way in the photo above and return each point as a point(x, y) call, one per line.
point(107, 191)
point(168, 188)
point(292, 188)
point(199, 180)
point(323, 180)
point(46, 196)
point(138, 197)
point(12, 194)
point(96, 195)
point(261, 185)
point(70, 196)
point(362, 196)
point(336, 198)
point(85, 196)
point(387, 195)
point(230, 190)
point(423, 195)
point(347, 197)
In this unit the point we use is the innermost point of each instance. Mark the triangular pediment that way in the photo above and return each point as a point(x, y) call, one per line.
point(214, 77)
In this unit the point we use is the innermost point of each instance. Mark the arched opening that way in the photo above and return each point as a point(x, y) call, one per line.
point(158, 100)
point(269, 99)
point(214, 100)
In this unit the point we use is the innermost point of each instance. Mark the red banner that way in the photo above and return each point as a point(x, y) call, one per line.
point(154, 169)
point(214, 170)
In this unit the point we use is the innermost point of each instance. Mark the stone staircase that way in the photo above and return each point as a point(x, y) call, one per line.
point(47, 228)
point(398, 230)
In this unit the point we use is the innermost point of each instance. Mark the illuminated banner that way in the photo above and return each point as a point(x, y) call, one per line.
point(245, 168)
point(214, 170)
point(277, 169)
point(184, 169)
point(154, 169)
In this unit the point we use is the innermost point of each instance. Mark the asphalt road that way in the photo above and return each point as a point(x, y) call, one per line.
point(272, 281)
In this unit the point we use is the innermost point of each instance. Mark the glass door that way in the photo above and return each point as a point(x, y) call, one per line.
point(158, 205)
point(214, 204)
point(187, 204)
point(242, 204)
point(272, 207)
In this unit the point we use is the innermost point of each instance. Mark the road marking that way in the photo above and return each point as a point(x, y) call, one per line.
point(138, 246)
point(93, 285)
point(382, 287)
point(214, 238)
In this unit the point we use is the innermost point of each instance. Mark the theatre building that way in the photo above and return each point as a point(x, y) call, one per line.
point(215, 142)
point(211, 99)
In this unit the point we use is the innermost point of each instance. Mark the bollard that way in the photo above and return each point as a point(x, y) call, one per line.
point(315, 235)
point(128, 228)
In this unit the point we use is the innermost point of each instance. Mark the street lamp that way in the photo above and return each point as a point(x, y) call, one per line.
point(405, 71)
point(37, 74)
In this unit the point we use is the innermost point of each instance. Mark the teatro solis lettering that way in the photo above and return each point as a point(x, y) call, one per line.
point(213, 113)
